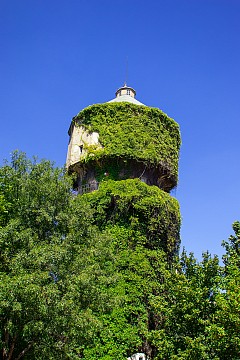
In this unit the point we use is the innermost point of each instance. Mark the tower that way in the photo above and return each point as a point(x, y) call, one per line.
point(124, 155)
point(123, 139)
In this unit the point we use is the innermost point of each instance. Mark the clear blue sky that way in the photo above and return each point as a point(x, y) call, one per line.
point(58, 57)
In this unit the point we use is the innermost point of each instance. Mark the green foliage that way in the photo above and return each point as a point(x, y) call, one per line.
point(32, 226)
point(139, 220)
point(130, 131)
point(225, 332)
point(200, 312)
point(95, 277)
point(152, 216)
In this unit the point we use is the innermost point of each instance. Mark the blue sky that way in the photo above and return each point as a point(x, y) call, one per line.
point(58, 57)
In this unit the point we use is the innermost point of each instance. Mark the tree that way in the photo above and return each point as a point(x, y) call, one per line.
point(56, 265)
point(99, 276)
point(201, 308)
point(35, 197)
point(185, 307)
point(223, 333)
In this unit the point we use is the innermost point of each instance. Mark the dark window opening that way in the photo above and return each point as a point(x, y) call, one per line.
point(81, 148)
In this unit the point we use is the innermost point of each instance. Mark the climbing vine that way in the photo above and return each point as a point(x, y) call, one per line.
point(130, 131)
point(151, 215)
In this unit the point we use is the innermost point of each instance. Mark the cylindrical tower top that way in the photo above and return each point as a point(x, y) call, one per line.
point(125, 90)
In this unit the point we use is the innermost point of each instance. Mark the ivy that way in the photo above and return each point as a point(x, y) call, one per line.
point(151, 215)
point(130, 131)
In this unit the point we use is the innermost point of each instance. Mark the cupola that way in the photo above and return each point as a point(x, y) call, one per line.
point(126, 93)
point(126, 90)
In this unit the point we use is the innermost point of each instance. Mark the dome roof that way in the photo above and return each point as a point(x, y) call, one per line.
point(126, 93)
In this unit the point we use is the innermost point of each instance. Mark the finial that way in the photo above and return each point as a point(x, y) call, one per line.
point(126, 74)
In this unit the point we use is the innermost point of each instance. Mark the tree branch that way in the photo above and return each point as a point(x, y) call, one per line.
point(12, 348)
point(22, 353)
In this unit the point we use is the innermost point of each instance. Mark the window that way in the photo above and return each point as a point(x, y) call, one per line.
point(81, 148)
point(128, 93)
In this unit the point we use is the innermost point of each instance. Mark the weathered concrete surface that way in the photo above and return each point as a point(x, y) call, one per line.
point(80, 140)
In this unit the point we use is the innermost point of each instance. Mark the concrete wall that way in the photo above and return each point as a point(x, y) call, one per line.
point(80, 139)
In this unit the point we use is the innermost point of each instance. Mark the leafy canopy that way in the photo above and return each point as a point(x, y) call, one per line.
point(98, 276)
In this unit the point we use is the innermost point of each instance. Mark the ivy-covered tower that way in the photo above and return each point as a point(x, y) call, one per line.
point(131, 146)
point(124, 139)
